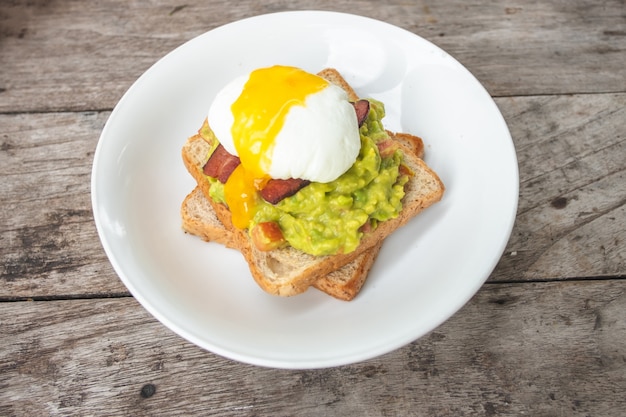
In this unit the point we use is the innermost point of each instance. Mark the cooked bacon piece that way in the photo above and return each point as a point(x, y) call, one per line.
point(267, 236)
point(362, 108)
point(387, 147)
point(221, 164)
point(277, 189)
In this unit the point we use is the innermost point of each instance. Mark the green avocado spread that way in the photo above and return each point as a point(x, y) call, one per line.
point(329, 218)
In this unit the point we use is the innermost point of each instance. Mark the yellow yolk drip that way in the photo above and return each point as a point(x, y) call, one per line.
point(259, 114)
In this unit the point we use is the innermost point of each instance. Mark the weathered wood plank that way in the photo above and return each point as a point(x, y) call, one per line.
point(572, 157)
point(538, 349)
point(72, 55)
point(48, 241)
point(571, 220)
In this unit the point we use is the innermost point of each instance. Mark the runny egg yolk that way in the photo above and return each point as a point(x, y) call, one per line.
point(259, 114)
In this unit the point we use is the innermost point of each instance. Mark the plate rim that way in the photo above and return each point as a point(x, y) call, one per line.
point(242, 357)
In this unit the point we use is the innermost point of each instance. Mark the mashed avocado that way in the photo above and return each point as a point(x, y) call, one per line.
point(328, 218)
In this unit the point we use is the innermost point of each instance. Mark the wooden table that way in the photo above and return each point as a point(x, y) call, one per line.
point(545, 335)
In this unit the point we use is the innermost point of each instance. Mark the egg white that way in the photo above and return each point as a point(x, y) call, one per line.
point(318, 141)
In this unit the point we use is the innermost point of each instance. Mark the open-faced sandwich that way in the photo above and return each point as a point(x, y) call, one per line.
point(300, 175)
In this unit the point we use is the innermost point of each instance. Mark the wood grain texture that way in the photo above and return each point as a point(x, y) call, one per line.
point(541, 349)
point(72, 55)
point(543, 337)
point(571, 218)
point(48, 241)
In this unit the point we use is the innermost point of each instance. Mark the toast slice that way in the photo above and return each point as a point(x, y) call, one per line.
point(199, 219)
point(288, 271)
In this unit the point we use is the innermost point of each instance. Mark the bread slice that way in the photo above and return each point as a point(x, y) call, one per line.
point(288, 271)
point(199, 219)
point(333, 76)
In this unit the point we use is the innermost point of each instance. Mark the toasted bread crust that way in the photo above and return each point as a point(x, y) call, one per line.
point(412, 143)
point(346, 282)
point(199, 219)
point(333, 76)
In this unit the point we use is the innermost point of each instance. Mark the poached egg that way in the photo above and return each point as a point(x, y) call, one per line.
point(282, 122)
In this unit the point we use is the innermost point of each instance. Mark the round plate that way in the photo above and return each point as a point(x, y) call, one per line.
point(425, 272)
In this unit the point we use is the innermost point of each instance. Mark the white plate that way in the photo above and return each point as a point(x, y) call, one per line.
point(204, 292)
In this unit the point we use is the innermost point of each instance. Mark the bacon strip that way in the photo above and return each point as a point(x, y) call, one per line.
point(221, 164)
point(276, 189)
point(362, 108)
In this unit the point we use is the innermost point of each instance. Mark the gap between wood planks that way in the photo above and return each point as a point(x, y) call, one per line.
point(62, 297)
point(110, 109)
